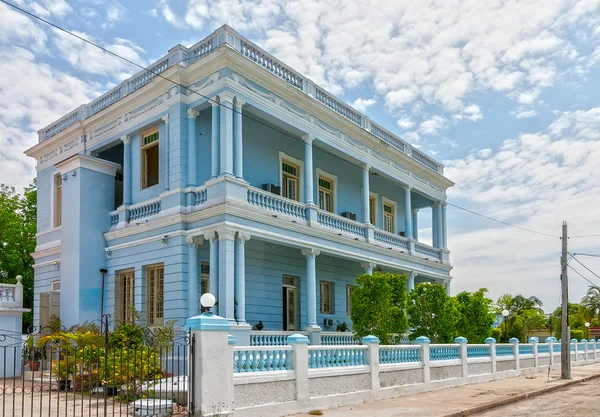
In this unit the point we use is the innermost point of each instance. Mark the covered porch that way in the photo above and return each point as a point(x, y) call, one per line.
point(269, 285)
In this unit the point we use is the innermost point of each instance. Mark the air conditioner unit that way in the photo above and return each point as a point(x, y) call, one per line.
point(328, 322)
point(349, 215)
point(272, 188)
point(402, 233)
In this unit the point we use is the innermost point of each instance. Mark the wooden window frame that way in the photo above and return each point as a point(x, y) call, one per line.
point(300, 165)
point(57, 196)
point(373, 213)
point(155, 307)
point(53, 285)
point(204, 277)
point(349, 290)
point(126, 286)
point(334, 184)
point(331, 309)
point(143, 149)
point(286, 176)
point(394, 214)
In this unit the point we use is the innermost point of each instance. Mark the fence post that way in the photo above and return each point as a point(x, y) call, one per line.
point(574, 342)
point(462, 350)
point(585, 349)
point(594, 345)
point(424, 342)
point(550, 341)
point(299, 361)
point(515, 343)
point(492, 342)
point(372, 343)
point(534, 349)
point(212, 393)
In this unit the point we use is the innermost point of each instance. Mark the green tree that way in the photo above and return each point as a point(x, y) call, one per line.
point(475, 319)
point(591, 301)
point(516, 305)
point(17, 240)
point(432, 313)
point(379, 306)
point(531, 319)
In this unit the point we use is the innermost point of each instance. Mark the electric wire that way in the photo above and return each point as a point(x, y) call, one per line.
point(588, 269)
point(578, 273)
point(246, 114)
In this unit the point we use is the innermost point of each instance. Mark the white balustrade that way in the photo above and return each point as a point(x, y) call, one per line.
point(391, 239)
point(341, 223)
point(11, 295)
point(276, 203)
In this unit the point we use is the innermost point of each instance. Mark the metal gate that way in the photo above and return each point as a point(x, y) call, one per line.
point(89, 371)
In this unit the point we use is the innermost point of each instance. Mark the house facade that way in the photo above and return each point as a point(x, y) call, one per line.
point(221, 169)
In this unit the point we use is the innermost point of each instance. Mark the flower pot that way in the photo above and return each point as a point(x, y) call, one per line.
point(34, 365)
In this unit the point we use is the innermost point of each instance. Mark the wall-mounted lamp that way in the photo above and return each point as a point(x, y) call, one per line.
point(163, 240)
point(108, 253)
point(74, 173)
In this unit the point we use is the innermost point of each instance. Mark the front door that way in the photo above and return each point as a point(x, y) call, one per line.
point(290, 304)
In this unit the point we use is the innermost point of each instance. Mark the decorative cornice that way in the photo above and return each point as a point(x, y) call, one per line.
point(194, 241)
point(308, 139)
point(239, 102)
point(371, 265)
point(125, 139)
point(192, 114)
point(242, 237)
point(311, 252)
point(227, 97)
point(87, 162)
point(165, 118)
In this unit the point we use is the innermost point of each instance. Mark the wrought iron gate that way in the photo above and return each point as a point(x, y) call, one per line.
point(86, 371)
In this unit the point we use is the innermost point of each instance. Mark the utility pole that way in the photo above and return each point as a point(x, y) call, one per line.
point(565, 346)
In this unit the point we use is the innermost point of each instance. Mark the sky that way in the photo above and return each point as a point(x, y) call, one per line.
point(505, 93)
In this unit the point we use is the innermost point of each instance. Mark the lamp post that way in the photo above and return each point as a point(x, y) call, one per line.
point(587, 326)
point(505, 314)
point(208, 301)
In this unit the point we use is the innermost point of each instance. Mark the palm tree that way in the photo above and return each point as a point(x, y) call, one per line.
point(591, 301)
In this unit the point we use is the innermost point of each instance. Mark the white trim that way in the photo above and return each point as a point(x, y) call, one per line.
point(54, 262)
point(52, 200)
point(56, 281)
point(376, 207)
point(45, 232)
point(384, 201)
point(283, 156)
point(87, 162)
point(334, 180)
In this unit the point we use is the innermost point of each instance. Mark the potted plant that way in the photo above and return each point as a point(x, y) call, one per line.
point(341, 327)
point(64, 370)
point(31, 355)
point(260, 326)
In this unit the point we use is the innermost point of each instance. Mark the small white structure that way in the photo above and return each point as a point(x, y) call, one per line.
point(11, 319)
point(152, 407)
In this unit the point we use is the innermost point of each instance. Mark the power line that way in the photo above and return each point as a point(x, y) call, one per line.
point(586, 254)
point(233, 109)
point(589, 270)
point(582, 236)
point(503, 222)
point(578, 273)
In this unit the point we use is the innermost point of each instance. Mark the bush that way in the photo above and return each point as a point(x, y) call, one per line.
point(432, 313)
point(378, 306)
point(577, 334)
point(497, 334)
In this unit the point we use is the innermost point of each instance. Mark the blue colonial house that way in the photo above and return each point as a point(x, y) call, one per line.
point(224, 170)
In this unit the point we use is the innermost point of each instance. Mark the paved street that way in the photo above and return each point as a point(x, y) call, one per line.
point(577, 400)
point(443, 402)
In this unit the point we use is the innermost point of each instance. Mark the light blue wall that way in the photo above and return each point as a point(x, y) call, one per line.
point(203, 130)
point(137, 193)
point(43, 278)
point(83, 243)
point(44, 198)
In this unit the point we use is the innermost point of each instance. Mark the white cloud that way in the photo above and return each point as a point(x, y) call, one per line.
point(26, 107)
point(115, 12)
point(363, 104)
point(90, 59)
point(535, 180)
point(88, 12)
point(168, 13)
point(405, 123)
point(152, 13)
point(18, 28)
point(433, 126)
point(436, 52)
point(523, 112)
point(471, 112)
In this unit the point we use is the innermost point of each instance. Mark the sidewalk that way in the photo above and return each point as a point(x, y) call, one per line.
point(452, 402)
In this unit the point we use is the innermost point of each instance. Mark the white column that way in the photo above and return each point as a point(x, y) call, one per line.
point(440, 225)
point(213, 280)
point(425, 357)
point(240, 276)
point(444, 228)
point(193, 294)
point(191, 150)
point(299, 344)
point(214, 138)
point(368, 267)
point(415, 223)
point(126, 170)
point(226, 134)
point(308, 169)
point(372, 343)
point(165, 119)
point(366, 194)
point(311, 285)
point(410, 281)
point(237, 138)
point(408, 228)
point(434, 226)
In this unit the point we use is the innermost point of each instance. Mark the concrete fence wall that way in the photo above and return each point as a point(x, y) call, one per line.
point(282, 380)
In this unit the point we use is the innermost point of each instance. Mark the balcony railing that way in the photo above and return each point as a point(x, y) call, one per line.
point(227, 36)
point(11, 295)
point(341, 223)
point(276, 203)
point(147, 209)
point(391, 239)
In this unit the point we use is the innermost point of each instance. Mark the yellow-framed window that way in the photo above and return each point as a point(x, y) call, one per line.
point(326, 194)
point(290, 180)
point(326, 297)
point(126, 295)
point(388, 217)
point(204, 277)
point(150, 158)
point(155, 281)
point(372, 213)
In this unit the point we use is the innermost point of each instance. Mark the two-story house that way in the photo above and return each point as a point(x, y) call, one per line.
point(222, 169)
